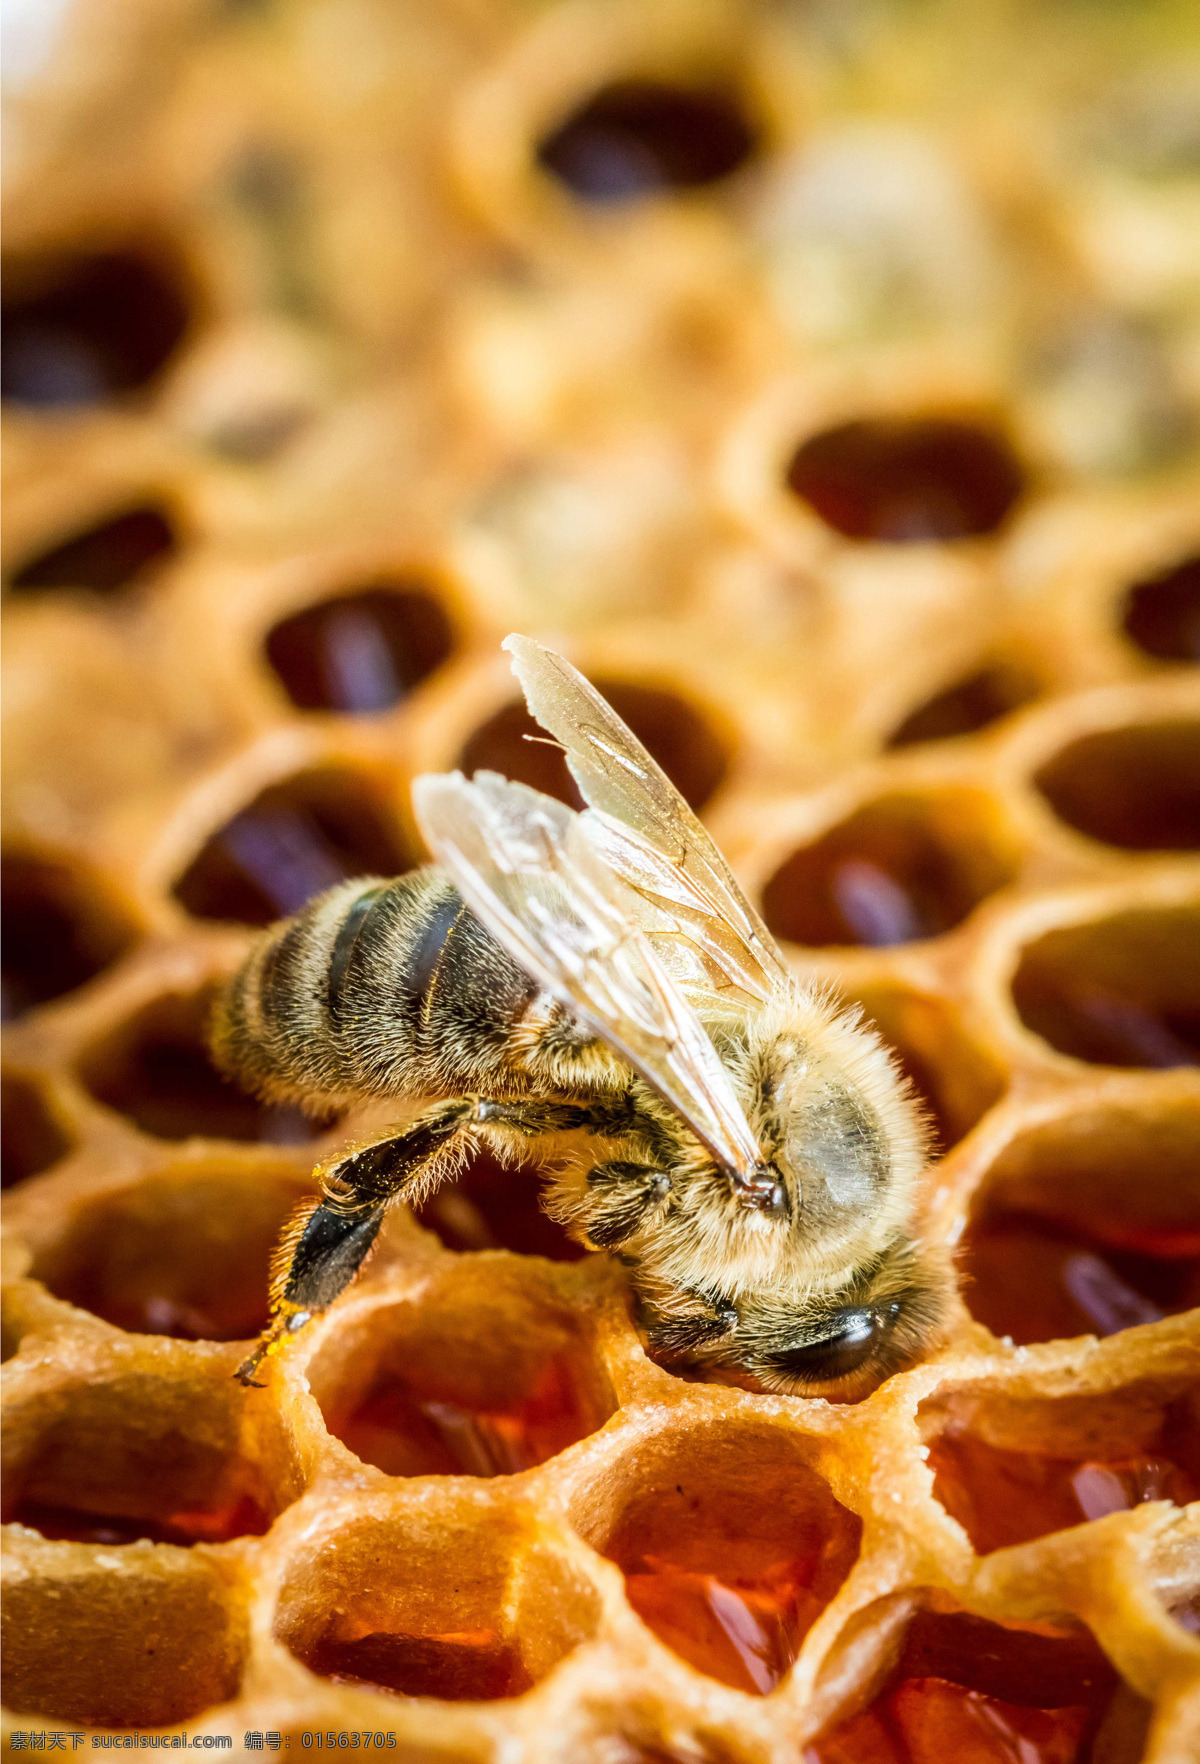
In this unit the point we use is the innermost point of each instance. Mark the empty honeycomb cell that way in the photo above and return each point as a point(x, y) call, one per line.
point(31, 1139)
point(80, 329)
point(677, 735)
point(731, 1547)
point(60, 929)
point(293, 841)
point(906, 866)
point(155, 1069)
point(970, 704)
point(427, 1606)
point(977, 1692)
point(477, 1377)
point(151, 1644)
point(1162, 615)
point(1137, 787)
point(638, 137)
point(1120, 991)
point(903, 481)
point(489, 1205)
point(1027, 1469)
point(143, 1455)
point(1088, 1225)
point(360, 652)
point(110, 555)
point(954, 1078)
point(185, 1253)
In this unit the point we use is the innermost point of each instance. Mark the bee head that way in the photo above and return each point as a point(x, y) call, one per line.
point(845, 1342)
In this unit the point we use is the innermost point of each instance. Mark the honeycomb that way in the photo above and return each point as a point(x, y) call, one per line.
point(825, 382)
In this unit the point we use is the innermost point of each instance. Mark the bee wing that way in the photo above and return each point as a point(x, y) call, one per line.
point(642, 828)
point(523, 864)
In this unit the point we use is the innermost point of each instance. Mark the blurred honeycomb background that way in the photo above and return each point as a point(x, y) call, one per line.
point(824, 379)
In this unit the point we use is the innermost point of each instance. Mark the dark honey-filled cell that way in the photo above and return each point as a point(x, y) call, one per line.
point(360, 652)
point(1137, 787)
point(968, 1691)
point(59, 930)
point(186, 1253)
point(1162, 615)
point(489, 1205)
point(1034, 1279)
point(904, 481)
point(730, 1550)
point(293, 841)
point(478, 1378)
point(675, 734)
point(78, 329)
point(406, 1433)
point(955, 1081)
point(636, 137)
point(31, 1139)
point(149, 1647)
point(473, 1665)
point(1121, 991)
point(155, 1068)
point(432, 1606)
point(139, 1456)
point(110, 555)
point(1002, 1495)
point(244, 1518)
point(1089, 1224)
point(969, 704)
point(902, 868)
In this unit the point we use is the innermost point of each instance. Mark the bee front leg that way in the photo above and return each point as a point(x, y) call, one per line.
point(676, 1334)
point(621, 1197)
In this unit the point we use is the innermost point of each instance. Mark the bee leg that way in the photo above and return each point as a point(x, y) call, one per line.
point(323, 1252)
point(676, 1335)
point(622, 1195)
point(322, 1258)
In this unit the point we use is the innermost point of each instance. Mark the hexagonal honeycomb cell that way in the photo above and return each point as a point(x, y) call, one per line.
point(963, 1687)
point(1088, 1224)
point(897, 870)
point(480, 1375)
point(1024, 1469)
point(731, 1546)
point(822, 382)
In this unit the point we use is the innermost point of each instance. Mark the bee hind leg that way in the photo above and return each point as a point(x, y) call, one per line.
point(319, 1261)
point(324, 1249)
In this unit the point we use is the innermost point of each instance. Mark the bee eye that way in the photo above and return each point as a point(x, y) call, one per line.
point(833, 1356)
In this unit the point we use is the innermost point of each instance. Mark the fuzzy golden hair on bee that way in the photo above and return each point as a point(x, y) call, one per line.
point(595, 988)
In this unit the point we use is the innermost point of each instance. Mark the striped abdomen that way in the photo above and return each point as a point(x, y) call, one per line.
point(377, 988)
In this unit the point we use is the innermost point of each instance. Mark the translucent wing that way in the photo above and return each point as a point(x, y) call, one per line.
point(523, 864)
point(691, 906)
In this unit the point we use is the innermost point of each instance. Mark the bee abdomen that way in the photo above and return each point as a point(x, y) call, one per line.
point(376, 988)
point(272, 1028)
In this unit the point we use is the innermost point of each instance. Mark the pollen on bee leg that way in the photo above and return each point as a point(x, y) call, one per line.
point(288, 1320)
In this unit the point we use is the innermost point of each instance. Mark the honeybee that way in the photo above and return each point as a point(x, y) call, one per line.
point(566, 981)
